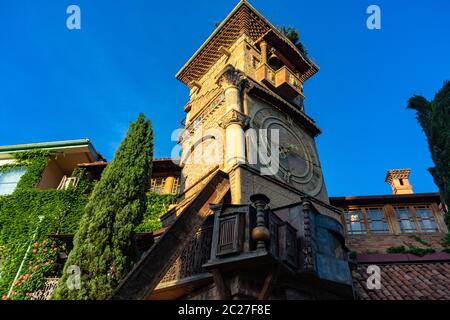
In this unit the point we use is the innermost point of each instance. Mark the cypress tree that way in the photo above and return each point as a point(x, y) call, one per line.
point(434, 117)
point(104, 249)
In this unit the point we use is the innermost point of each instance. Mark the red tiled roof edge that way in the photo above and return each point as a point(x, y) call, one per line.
point(402, 258)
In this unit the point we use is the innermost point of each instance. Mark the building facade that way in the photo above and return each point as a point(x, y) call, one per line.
point(404, 235)
point(247, 143)
point(248, 77)
point(64, 158)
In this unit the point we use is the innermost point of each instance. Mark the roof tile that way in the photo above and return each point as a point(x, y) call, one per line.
point(413, 281)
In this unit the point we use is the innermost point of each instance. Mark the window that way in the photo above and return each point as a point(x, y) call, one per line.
point(157, 185)
point(366, 220)
point(376, 220)
point(426, 219)
point(9, 180)
point(67, 183)
point(355, 222)
point(176, 186)
point(405, 219)
point(255, 62)
point(411, 219)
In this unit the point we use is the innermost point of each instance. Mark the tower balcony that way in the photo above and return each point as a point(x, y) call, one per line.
point(266, 75)
point(288, 84)
point(292, 246)
point(283, 81)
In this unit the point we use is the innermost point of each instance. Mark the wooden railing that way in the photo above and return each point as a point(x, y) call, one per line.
point(47, 289)
point(286, 76)
point(193, 257)
point(233, 237)
point(266, 75)
point(283, 81)
point(230, 236)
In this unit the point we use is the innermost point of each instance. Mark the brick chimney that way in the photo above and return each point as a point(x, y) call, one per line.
point(399, 181)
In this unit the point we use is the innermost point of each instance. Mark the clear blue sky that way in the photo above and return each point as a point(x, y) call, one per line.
point(57, 84)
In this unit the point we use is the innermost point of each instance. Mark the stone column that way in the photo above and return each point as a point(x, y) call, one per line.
point(263, 46)
point(234, 121)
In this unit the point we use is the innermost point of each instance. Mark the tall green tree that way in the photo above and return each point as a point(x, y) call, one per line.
point(292, 34)
point(434, 117)
point(104, 249)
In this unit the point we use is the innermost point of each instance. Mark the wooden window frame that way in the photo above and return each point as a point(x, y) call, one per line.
point(391, 220)
point(175, 189)
point(384, 219)
point(412, 209)
point(368, 230)
point(412, 214)
point(363, 232)
point(417, 221)
point(154, 185)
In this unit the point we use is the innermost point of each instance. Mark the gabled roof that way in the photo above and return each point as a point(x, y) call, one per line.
point(243, 19)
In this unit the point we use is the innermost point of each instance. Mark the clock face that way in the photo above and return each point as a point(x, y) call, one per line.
point(299, 165)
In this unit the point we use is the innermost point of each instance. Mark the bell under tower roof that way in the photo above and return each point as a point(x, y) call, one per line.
point(243, 19)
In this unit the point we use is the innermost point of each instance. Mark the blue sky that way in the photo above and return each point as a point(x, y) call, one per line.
point(57, 84)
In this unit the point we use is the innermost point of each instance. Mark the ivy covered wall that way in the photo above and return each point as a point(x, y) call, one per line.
point(156, 206)
point(29, 216)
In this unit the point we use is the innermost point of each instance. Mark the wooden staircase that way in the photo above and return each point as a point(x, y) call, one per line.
point(150, 270)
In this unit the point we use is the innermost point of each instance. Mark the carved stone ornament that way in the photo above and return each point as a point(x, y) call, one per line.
point(234, 117)
point(230, 78)
point(308, 255)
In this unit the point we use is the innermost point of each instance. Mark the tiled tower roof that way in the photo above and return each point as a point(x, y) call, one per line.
point(244, 19)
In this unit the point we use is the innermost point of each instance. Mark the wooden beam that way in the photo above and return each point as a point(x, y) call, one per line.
point(224, 51)
point(391, 219)
point(222, 288)
point(268, 284)
point(195, 84)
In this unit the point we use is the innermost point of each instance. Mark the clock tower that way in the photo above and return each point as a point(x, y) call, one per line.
point(246, 113)
point(253, 220)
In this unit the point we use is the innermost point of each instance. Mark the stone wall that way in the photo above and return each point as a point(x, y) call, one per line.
point(367, 243)
point(266, 116)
